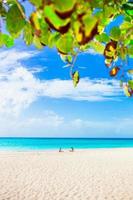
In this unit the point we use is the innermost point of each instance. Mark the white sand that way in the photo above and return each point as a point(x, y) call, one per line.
point(105, 174)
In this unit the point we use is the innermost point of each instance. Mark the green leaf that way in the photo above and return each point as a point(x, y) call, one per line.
point(126, 25)
point(65, 44)
point(9, 2)
point(90, 23)
point(28, 34)
point(66, 58)
point(1, 40)
point(44, 39)
point(8, 40)
point(76, 78)
point(55, 21)
point(34, 20)
point(108, 11)
point(130, 83)
point(2, 10)
point(127, 41)
point(69, 58)
point(103, 38)
point(131, 42)
point(64, 6)
point(98, 47)
point(15, 21)
point(130, 51)
point(53, 38)
point(85, 29)
point(126, 91)
point(97, 4)
point(78, 34)
point(128, 8)
point(36, 42)
point(45, 32)
point(115, 33)
point(37, 3)
point(109, 54)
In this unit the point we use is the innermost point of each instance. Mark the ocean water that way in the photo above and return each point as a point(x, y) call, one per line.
point(64, 143)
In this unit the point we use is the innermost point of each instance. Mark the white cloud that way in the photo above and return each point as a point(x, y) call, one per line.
point(47, 119)
point(38, 69)
point(43, 125)
point(19, 87)
point(87, 90)
point(84, 124)
point(116, 127)
point(51, 124)
point(11, 59)
point(18, 91)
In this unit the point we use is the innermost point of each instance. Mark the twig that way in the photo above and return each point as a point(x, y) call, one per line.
point(73, 63)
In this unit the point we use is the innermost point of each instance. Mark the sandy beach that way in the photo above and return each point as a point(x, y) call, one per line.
point(104, 174)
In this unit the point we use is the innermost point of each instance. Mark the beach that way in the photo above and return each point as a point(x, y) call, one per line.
point(93, 174)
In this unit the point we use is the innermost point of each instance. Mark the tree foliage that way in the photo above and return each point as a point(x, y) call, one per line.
point(74, 26)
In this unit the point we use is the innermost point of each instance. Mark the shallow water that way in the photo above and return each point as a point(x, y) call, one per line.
point(64, 143)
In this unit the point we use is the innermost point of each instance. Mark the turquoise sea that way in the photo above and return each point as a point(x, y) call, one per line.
point(64, 143)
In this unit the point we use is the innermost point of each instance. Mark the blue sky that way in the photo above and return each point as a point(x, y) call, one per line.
point(38, 98)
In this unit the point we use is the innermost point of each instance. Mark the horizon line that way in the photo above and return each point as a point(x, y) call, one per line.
point(93, 138)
